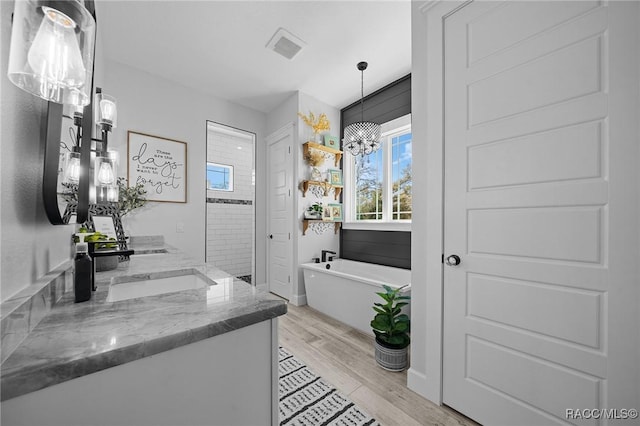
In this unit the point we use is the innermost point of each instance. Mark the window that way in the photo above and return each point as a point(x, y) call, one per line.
point(219, 177)
point(378, 186)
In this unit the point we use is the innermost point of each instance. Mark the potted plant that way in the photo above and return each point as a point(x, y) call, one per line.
point(391, 328)
point(314, 211)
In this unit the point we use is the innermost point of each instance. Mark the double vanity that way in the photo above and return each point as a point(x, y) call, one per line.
point(163, 341)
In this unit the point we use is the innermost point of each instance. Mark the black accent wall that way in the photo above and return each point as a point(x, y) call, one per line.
point(386, 104)
point(390, 248)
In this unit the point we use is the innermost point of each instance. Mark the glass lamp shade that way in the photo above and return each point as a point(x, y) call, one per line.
point(107, 194)
point(51, 53)
point(106, 111)
point(361, 138)
point(105, 172)
point(72, 168)
point(106, 168)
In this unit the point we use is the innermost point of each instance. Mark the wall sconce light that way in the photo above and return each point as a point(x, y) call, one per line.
point(105, 162)
point(51, 56)
point(106, 111)
point(52, 50)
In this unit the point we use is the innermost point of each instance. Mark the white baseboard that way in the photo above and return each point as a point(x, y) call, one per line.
point(419, 383)
point(298, 299)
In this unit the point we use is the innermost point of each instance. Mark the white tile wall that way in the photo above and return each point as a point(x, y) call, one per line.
point(230, 227)
point(223, 149)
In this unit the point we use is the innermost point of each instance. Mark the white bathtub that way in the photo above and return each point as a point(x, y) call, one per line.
point(347, 290)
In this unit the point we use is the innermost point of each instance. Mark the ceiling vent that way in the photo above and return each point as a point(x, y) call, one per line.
point(285, 43)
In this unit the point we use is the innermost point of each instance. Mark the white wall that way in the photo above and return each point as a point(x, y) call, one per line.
point(283, 114)
point(419, 373)
point(30, 246)
point(311, 244)
point(152, 105)
point(305, 247)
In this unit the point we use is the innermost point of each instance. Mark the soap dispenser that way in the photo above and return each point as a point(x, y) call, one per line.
point(83, 273)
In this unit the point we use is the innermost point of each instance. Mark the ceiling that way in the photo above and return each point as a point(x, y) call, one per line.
point(218, 47)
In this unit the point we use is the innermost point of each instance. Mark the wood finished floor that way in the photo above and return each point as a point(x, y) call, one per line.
point(344, 357)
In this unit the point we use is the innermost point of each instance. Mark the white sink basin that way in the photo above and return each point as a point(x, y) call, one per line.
point(142, 253)
point(150, 285)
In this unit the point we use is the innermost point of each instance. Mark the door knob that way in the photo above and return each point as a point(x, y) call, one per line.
point(271, 236)
point(453, 260)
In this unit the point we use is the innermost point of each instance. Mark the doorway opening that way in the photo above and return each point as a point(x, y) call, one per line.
point(230, 200)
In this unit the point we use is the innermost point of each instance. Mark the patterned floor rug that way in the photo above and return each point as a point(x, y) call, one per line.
point(306, 399)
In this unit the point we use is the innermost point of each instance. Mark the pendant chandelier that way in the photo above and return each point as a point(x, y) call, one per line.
point(363, 137)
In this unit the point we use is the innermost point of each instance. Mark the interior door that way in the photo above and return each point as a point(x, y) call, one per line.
point(534, 139)
point(280, 212)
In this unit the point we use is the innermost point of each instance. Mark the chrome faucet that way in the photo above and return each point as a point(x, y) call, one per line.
point(324, 255)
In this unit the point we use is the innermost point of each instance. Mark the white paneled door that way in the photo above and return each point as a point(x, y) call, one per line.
point(535, 136)
point(280, 212)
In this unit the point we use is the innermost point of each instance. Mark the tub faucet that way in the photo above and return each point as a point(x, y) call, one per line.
point(324, 255)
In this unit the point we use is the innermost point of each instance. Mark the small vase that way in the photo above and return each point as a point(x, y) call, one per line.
point(316, 175)
point(317, 138)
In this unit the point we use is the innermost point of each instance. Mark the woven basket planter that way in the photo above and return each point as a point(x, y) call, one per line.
point(392, 359)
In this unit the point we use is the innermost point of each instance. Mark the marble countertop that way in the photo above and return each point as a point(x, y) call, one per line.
point(76, 339)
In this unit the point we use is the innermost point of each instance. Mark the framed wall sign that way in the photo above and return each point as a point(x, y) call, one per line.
point(160, 164)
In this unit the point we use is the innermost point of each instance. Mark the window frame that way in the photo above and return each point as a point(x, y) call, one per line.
point(391, 129)
point(230, 172)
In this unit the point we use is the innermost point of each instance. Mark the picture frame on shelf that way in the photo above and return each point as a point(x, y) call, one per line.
point(327, 214)
point(332, 141)
point(336, 211)
point(335, 176)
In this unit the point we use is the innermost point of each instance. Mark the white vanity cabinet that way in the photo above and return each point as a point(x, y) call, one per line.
point(229, 379)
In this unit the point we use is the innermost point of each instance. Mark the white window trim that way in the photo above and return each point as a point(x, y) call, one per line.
point(389, 129)
point(231, 172)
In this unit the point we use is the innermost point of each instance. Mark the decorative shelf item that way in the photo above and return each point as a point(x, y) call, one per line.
point(320, 188)
point(312, 145)
point(320, 226)
point(316, 124)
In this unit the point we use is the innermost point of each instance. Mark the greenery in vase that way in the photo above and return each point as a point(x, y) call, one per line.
point(390, 326)
point(315, 208)
point(130, 197)
point(314, 211)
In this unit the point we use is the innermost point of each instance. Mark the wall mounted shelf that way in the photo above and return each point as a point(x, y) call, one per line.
point(312, 145)
point(326, 186)
point(319, 225)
